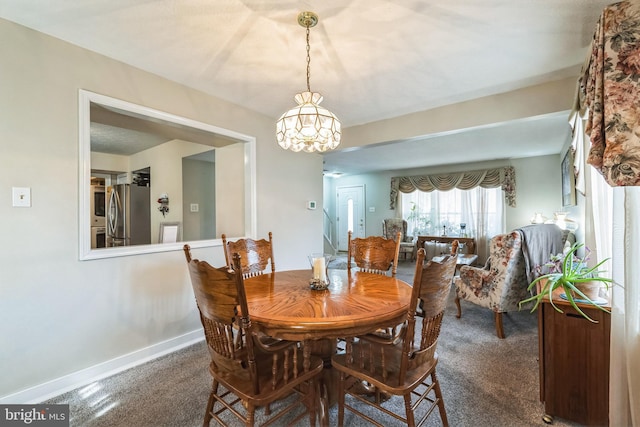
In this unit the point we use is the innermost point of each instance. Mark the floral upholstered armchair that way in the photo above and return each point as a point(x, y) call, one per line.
point(501, 283)
point(390, 228)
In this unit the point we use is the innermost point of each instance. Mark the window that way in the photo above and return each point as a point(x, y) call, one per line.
point(478, 212)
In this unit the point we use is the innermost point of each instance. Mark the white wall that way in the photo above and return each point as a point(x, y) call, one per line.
point(110, 162)
point(539, 189)
point(59, 315)
point(229, 188)
point(198, 183)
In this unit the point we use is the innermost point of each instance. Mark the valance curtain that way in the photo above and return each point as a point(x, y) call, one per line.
point(489, 178)
point(608, 92)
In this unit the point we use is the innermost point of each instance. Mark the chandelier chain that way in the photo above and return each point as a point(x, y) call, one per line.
point(308, 61)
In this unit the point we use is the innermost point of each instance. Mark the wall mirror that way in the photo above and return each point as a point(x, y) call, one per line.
point(141, 168)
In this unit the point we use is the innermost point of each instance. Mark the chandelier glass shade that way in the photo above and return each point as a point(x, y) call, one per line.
point(308, 126)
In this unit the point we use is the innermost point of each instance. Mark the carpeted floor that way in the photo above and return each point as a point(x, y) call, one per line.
point(485, 381)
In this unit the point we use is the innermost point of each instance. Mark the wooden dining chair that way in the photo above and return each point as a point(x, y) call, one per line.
point(374, 254)
point(255, 255)
point(251, 374)
point(405, 364)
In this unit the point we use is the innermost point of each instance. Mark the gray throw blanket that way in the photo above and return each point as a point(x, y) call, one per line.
point(539, 242)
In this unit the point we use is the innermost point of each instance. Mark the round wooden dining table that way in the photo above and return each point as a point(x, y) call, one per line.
point(283, 305)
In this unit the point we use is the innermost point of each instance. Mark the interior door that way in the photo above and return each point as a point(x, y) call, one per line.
point(350, 215)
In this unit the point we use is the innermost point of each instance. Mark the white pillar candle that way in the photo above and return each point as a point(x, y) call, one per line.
point(319, 269)
point(323, 271)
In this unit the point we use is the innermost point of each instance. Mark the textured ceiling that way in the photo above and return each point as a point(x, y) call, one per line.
point(371, 59)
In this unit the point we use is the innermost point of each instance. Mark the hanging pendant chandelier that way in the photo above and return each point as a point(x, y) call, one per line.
point(308, 126)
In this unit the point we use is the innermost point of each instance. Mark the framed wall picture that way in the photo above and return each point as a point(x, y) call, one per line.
point(568, 180)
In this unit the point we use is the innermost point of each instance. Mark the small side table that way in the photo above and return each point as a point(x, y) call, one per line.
point(574, 362)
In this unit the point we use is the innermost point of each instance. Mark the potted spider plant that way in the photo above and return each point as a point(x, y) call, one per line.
point(574, 277)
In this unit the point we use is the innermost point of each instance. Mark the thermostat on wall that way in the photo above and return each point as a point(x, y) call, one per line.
point(311, 204)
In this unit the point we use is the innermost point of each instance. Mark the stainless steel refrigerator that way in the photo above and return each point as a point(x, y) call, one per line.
point(128, 215)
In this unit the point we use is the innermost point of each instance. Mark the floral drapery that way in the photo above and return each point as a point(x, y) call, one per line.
point(609, 92)
point(488, 178)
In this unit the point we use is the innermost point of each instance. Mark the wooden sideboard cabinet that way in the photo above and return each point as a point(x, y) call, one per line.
point(574, 362)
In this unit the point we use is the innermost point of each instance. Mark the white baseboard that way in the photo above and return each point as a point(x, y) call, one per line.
point(86, 376)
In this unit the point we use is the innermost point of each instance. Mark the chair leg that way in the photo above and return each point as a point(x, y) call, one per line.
point(458, 305)
point(251, 412)
point(341, 399)
point(438, 391)
point(311, 401)
point(210, 403)
point(499, 328)
point(411, 422)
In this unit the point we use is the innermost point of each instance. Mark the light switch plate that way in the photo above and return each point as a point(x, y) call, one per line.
point(195, 207)
point(21, 197)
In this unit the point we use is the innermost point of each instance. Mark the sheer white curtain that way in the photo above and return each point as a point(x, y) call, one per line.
point(615, 218)
point(436, 212)
point(624, 384)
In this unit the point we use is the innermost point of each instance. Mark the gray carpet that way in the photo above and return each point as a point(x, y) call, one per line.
point(485, 381)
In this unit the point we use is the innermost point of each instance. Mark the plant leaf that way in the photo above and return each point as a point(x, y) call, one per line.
point(575, 306)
